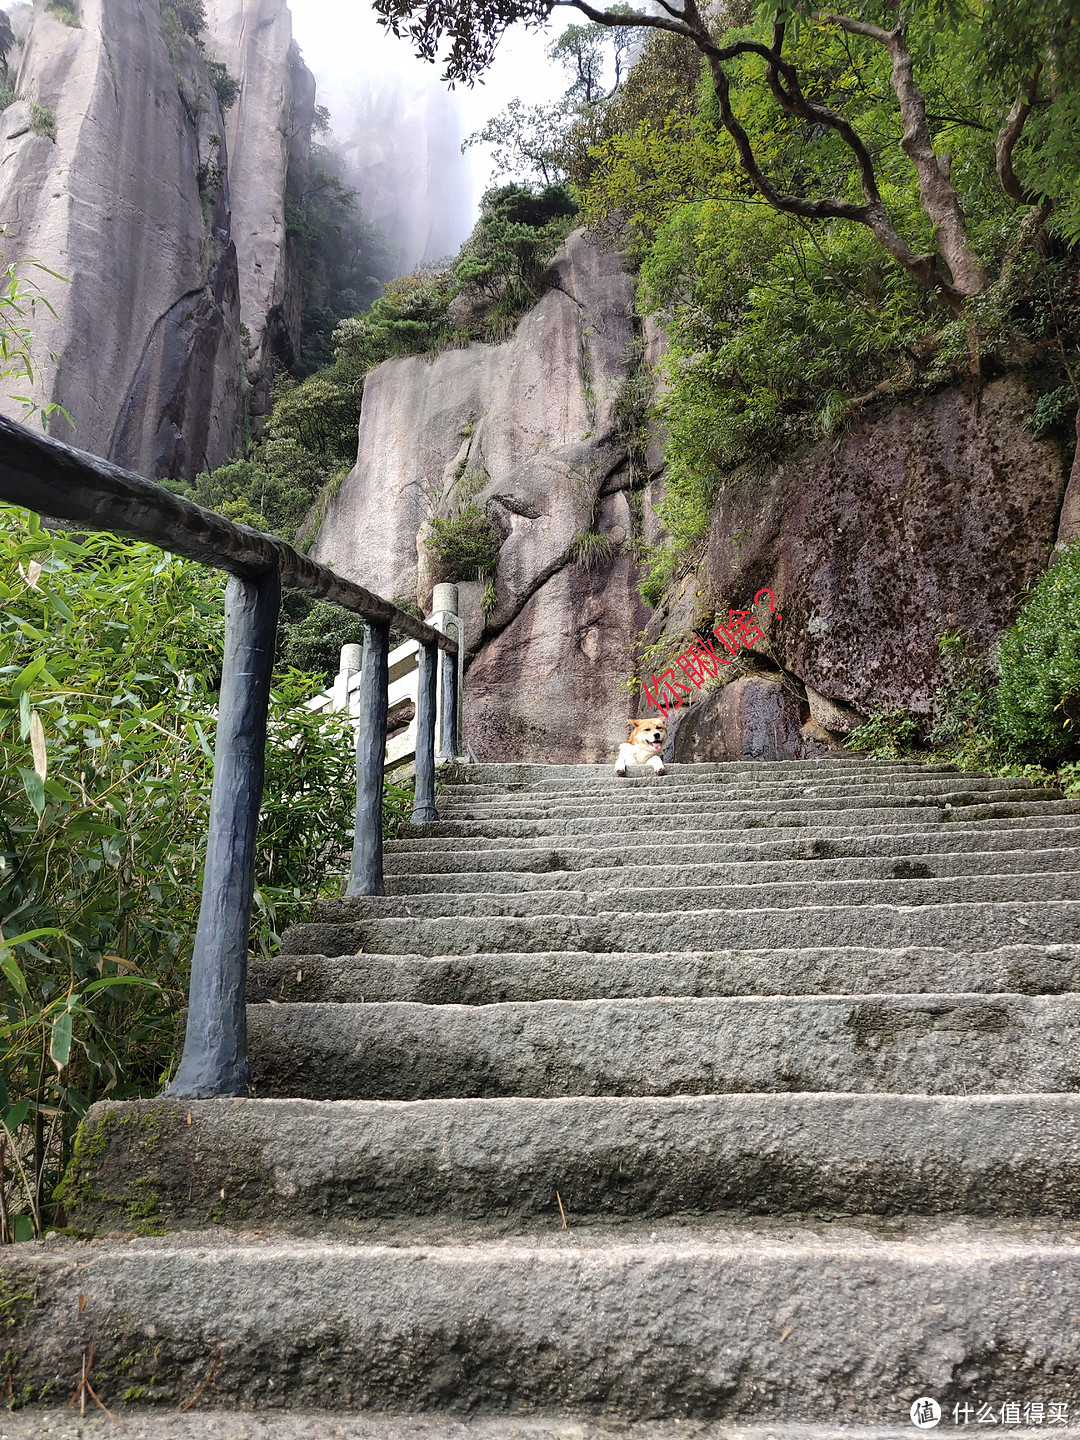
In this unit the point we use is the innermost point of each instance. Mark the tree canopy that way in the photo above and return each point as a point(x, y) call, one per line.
point(822, 156)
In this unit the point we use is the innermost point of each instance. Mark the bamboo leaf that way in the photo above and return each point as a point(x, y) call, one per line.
point(60, 1040)
point(16, 1114)
point(37, 746)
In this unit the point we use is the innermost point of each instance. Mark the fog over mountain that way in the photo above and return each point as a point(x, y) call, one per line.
point(400, 128)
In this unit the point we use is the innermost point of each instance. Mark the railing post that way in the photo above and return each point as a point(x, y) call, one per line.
point(444, 617)
point(424, 802)
point(448, 741)
point(214, 1062)
point(366, 873)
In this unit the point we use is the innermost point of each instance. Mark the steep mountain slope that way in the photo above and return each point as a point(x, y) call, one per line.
point(116, 174)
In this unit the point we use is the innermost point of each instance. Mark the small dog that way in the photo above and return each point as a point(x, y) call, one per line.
point(647, 739)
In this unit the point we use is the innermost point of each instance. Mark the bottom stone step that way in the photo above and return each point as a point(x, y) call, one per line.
point(787, 1323)
point(139, 1423)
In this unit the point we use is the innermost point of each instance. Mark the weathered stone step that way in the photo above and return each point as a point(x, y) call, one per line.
point(922, 845)
point(792, 1321)
point(505, 777)
point(947, 789)
point(37, 1423)
point(882, 811)
point(388, 1166)
point(940, 1044)
point(976, 926)
point(579, 975)
point(667, 898)
point(691, 778)
point(418, 842)
point(947, 863)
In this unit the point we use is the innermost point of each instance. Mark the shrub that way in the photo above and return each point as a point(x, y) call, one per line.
point(111, 653)
point(1038, 694)
point(42, 120)
point(591, 550)
point(890, 735)
point(464, 546)
point(64, 10)
point(226, 86)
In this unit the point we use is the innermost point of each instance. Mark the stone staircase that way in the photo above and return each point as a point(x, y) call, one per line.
point(745, 1096)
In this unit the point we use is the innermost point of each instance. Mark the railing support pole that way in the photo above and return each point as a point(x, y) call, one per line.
point(448, 746)
point(424, 805)
point(214, 1061)
point(366, 874)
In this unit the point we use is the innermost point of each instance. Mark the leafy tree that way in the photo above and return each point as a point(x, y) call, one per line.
point(816, 160)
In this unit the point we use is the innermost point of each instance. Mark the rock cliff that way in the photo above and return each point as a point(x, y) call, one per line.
point(530, 428)
point(115, 171)
point(930, 515)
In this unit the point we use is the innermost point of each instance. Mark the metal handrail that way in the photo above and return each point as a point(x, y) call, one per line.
point(62, 483)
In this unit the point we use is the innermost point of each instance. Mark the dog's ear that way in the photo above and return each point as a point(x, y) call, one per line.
point(631, 726)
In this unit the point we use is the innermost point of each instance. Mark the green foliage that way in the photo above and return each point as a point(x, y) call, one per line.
point(187, 16)
point(42, 120)
point(20, 301)
point(312, 633)
point(782, 327)
point(64, 10)
point(226, 86)
point(465, 545)
point(890, 735)
point(505, 257)
point(1038, 663)
point(591, 550)
point(341, 258)
point(110, 657)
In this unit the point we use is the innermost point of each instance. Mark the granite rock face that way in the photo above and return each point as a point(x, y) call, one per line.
point(268, 133)
point(131, 202)
point(527, 429)
point(930, 515)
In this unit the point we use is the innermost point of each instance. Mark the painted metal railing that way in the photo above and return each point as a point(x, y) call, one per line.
point(69, 485)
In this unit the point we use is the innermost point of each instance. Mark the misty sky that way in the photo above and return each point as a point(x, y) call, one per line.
point(344, 46)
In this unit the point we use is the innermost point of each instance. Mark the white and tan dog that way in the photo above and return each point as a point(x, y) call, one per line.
point(647, 738)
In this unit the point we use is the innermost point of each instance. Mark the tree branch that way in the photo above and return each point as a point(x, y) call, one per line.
point(938, 196)
point(1008, 135)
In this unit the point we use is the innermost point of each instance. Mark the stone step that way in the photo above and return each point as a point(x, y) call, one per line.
point(418, 842)
point(389, 1167)
point(793, 1321)
point(37, 1423)
point(579, 975)
point(947, 864)
point(948, 789)
point(882, 810)
point(505, 777)
point(976, 926)
point(667, 899)
point(691, 778)
point(928, 846)
point(942, 1044)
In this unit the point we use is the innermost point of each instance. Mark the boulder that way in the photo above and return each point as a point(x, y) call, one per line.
point(757, 717)
point(928, 516)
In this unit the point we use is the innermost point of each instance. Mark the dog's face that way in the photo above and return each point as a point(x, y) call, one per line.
point(648, 735)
